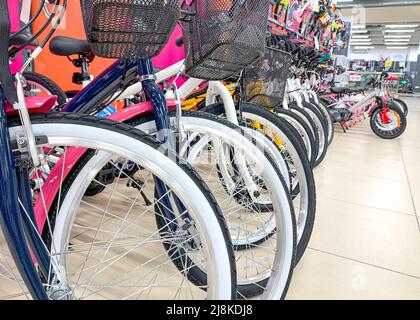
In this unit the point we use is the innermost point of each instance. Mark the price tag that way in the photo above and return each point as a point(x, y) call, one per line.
point(355, 77)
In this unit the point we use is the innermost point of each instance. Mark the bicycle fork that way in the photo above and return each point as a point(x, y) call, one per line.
point(11, 212)
point(164, 134)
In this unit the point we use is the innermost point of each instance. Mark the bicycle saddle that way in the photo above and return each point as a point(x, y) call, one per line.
point(339, 90)
point(344, 90)
point(356, 90)
point(66, 46)
point(21, 38)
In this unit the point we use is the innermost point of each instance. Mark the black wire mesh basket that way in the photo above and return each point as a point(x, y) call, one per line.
point(129, 29)
point(222, 37)
point(265, 81)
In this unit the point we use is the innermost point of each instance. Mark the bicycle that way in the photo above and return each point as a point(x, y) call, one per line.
point(40, 139)
point(387, 120)
point(301, 104)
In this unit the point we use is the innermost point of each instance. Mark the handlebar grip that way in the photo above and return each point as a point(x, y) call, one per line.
point(179, 42)
point(384, 75)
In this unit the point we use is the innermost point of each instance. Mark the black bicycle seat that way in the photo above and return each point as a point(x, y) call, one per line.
point(345, 90)
point(340, 90)
point(21, 38)
point(66, 46)
point(356, 90)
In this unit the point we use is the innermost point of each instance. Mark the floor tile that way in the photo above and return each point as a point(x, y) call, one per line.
point(323, 276)
point(379, 168)
point(375, 192)
point(378, 237)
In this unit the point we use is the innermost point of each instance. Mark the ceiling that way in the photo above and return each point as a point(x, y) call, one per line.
point(381, 23)
point(381, 34)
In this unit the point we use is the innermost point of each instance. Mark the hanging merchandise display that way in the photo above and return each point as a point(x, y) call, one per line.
point(317, 23)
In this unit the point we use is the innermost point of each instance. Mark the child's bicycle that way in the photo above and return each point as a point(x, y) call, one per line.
point(349, 105)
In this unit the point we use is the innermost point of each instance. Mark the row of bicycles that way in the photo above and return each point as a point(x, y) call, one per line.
point(200, 187)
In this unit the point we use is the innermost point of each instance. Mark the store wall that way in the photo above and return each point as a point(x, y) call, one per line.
point(382, 52)
point(59, 68)
point(380, 15)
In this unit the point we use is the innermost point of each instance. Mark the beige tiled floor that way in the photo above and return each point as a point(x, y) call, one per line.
point(366, 240)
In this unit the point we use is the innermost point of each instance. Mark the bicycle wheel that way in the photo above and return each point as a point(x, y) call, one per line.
point(305, 132)
point(37, 84)
point(402, 105)
point(304, 116)
point(300, 171)
point(108, 246)
point(391, 129)
point(327, 118)
point(257, 210)
point(320, 127)
point(12, 287)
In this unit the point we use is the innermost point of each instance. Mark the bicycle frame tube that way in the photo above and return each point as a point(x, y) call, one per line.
point(103, 86)
point(161, 76)
point(156, 96)
point(10, 213)
point(217, 89)
point(364, 102)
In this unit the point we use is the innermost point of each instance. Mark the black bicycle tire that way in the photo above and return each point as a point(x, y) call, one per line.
point(379, 132)
point(314, 144)
point(81, 119)
point(48, 84)
point(248, 290)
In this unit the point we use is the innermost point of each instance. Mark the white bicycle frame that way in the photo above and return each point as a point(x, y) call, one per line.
point(365, 102)
point(300, 92)
point(215, 89)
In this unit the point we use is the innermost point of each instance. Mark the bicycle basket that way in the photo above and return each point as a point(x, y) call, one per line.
point(129, 29)
point(224, 36)
point(265, 81)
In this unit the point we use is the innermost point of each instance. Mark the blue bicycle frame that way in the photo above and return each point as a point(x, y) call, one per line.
point(15, 220)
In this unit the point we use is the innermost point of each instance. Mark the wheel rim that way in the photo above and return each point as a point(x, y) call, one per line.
point(217, 289)
point(275, 285)
point(299, 175)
